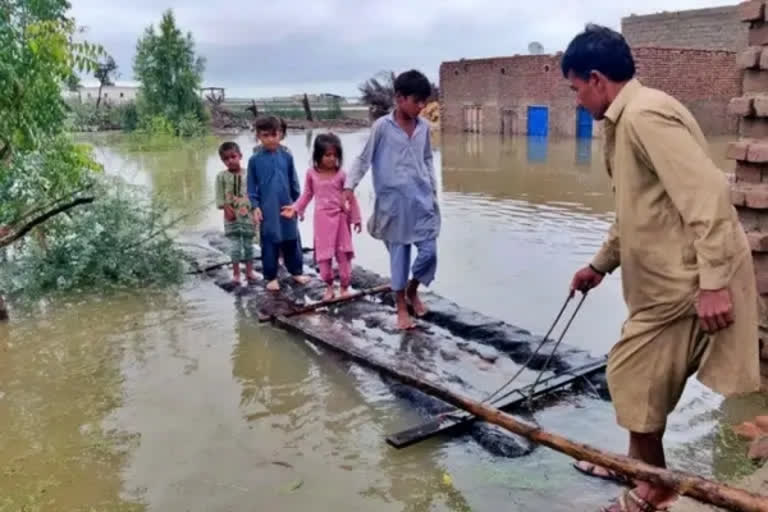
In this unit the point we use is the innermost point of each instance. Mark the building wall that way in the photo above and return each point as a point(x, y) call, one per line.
point(705, 81)
point(112, 95)
point(718, 28)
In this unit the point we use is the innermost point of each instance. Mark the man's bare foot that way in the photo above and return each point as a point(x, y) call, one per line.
point(345, 291)
point(301, 279)
point(273, 286)
point(419, 309)
point(404, 321)
point(329, 293)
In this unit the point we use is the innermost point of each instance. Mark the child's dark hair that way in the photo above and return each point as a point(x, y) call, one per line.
point(269, 124)
point(283, 126)
point(599, 49)
point(228, 146)
point(323, 142)
point(413, 83)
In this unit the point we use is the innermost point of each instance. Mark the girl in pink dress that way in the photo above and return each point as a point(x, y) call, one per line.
point(333, 234)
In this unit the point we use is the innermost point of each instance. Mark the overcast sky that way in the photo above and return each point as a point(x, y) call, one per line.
point(259, 48)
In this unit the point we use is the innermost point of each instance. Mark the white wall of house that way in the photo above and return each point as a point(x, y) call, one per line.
point(111, 94)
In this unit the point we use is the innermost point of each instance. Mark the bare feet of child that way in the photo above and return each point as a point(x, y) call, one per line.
point(345, 291)
point(404, 321)
point(419, 309)
point(329, 293)
point(273, 286)
point(250, 275)
point(236, 274)
point(301, 279)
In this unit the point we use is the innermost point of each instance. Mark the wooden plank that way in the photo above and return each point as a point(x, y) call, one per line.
point(457, 420)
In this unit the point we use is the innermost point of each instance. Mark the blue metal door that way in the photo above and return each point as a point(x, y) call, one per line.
point(583, 123)
point(538, 121)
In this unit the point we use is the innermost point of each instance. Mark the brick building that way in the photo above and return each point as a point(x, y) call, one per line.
point(718, 28)
point(528, 94)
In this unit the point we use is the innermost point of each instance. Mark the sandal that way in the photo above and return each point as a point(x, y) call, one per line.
point(639, 504)
point(610, 476)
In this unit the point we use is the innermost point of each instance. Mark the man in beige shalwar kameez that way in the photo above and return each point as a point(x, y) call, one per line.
point(686, 266)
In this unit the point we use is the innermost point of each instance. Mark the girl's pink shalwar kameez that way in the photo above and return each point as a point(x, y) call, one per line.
point(333, 233)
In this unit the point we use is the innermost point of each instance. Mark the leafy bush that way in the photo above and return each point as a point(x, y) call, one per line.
point(120, 240)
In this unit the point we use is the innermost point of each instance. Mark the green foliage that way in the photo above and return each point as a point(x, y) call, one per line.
point(120, 240)
point(170, 75)
point(87, 117)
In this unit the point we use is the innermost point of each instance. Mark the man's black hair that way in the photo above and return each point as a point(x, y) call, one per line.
point(600, 49)
point(413, 83)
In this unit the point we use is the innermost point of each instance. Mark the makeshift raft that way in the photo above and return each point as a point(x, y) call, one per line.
point(463, 350)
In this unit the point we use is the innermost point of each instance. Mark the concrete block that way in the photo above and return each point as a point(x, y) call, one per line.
point(751, 10)
point(737, 150)
point(758, 152)
point(743, 106)
point(758, 34)
point(755, 81)
point(758, 241)
point(754, 127)
point(750, 58)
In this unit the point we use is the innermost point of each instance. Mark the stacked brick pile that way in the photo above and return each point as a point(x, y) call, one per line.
point(749, 190)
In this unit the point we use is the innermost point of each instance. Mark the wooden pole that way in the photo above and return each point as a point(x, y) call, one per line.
point(339, 300)
point(684, 483)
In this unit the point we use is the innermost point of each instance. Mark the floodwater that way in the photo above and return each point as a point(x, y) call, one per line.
point(178, 401)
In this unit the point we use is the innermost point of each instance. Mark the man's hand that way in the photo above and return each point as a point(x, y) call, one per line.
point(586, 279)
point(358, 227)
point(347, 197)
point(715, 309)
point(257, 215)
point(229, 213)
point(288, 212)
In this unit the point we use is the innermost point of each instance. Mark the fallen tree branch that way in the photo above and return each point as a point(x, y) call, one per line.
point(16, 234)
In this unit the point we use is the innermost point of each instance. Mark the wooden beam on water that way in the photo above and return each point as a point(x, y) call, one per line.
point(455, 420)
point(684, 483)
point(331, 302)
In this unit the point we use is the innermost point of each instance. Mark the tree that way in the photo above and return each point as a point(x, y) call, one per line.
point(378, 93)
point(170, 73)
point(105, 73)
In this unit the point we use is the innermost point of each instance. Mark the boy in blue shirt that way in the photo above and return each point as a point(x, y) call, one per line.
point(272, 185)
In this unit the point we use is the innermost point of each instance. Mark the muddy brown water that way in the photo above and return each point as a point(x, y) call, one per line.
point(177, 401)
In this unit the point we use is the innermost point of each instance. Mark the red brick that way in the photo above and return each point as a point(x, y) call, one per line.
point(737, 150)
point(748, 173)
point(758, 241)
point(756, 196)
point(764, 59)
point(751, 10)
point(743, 106)
point(758, 34)
point(762, 284)
point(754, 127)
point(750, 58)
point(758, 152)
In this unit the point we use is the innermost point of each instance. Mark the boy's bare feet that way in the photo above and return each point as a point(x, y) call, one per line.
point(412, 294)
point(404, 321)
point(345, 291)
point(329, 293)
point(253, 277)
point(301, 279)
point(273, 286)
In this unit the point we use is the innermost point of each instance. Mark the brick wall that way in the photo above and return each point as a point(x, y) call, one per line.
point(719, 28)
point(704, 80)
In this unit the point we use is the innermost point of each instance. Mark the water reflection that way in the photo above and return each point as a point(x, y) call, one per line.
point(537, 149)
